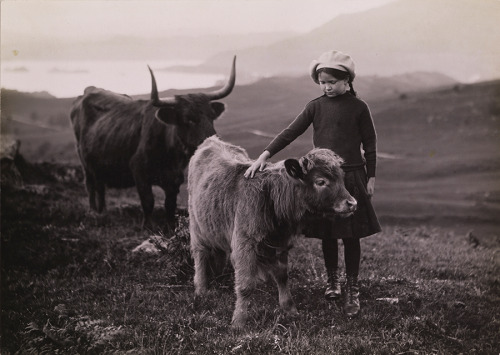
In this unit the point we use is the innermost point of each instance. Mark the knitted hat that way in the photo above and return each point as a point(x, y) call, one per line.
point(335, 60)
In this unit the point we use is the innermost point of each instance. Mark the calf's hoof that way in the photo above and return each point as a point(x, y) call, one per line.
point(238, 322)
point(200, 292)
point(292, 311)
point(289, 307)
point(237, 327)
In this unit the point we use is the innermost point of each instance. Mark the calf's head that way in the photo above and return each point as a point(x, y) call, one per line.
point(193, 114)
point(323, 187)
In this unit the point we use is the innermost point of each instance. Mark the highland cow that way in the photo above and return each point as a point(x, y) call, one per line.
point(253, 220)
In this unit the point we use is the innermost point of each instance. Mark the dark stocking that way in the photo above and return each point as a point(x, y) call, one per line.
point(330, 254)
point(352, 254)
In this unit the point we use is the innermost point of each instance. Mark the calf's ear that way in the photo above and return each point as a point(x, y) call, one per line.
point(306, 164)
point(218, 108)
point(167, 115)
point(294, 169)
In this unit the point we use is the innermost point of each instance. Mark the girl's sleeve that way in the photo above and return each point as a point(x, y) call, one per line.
point(295, 129)
point(369, 141)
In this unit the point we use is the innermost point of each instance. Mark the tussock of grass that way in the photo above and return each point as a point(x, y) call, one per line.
point(71, 284)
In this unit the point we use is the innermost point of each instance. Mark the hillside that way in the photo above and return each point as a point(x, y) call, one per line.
point(43, 110)
point(438, 150)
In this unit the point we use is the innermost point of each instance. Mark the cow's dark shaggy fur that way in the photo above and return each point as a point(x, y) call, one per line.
point(123, 142)
point(253, 220)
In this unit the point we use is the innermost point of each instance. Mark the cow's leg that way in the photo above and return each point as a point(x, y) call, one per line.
point(171, 191)
point(280, 275)
point(245, 271)
point(89, 180)
point(90, 186)
point(100, 196)
point(144, 188)
point(96, 191)
point(147, 202)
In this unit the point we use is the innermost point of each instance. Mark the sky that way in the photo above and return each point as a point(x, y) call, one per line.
point(90, 18)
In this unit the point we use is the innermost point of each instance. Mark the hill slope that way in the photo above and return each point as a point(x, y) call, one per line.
point(438, 150)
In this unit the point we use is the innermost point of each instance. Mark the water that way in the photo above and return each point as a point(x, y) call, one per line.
point(70, 78)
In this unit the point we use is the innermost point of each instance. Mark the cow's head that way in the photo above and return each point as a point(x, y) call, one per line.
point(193, 114)
point(323, 183)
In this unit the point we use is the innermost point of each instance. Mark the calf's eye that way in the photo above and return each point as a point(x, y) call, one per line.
point(320, 182)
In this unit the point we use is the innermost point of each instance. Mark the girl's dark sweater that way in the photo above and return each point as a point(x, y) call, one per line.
point(343, 124)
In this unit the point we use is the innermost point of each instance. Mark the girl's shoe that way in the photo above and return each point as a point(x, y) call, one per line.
point(333, 291)
point(351, 304)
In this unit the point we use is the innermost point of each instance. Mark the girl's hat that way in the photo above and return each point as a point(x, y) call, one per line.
point(335, 60)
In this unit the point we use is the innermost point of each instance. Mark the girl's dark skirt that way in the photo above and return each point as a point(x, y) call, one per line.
point(362, 223)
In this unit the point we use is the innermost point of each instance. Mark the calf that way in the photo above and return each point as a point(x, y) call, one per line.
point(253, 220)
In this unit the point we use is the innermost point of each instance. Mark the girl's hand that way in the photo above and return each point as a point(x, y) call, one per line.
point(259, 165)
point(370, 188)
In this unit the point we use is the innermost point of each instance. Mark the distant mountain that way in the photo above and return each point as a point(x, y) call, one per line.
point(459, 38)
point(41, 109)
point(369, 87)
point(168, 47)
point(36, 94)
point(377, 87)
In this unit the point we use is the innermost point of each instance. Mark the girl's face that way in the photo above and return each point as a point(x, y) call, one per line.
point(331, 86)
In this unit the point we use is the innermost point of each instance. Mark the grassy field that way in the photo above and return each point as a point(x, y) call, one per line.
point(71, 283)
point(430, 284)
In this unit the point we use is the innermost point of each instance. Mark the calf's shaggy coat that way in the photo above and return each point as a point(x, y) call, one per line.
point(253, 220)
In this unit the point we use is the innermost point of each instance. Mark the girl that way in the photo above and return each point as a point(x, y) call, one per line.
point(342, 123)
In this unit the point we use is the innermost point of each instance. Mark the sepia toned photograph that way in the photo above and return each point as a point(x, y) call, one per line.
point(250, 177)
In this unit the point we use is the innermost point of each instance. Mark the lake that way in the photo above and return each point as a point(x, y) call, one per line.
point(69, 78)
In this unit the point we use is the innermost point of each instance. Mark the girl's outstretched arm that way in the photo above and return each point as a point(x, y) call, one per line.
point(259, 164)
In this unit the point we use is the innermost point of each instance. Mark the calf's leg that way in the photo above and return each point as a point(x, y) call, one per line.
point(245, 270)
point(201, 257)
point(280, 275)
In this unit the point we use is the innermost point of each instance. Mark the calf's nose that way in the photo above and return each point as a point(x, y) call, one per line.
point(352, 204)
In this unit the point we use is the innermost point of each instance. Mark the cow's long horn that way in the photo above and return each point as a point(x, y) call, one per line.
point(154, 93)
point(226, 90)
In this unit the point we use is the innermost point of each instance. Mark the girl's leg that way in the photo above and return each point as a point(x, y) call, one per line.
point(330, 254)
point(352, 252)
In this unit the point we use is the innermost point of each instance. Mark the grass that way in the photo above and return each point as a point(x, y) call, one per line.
point(71, 284)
